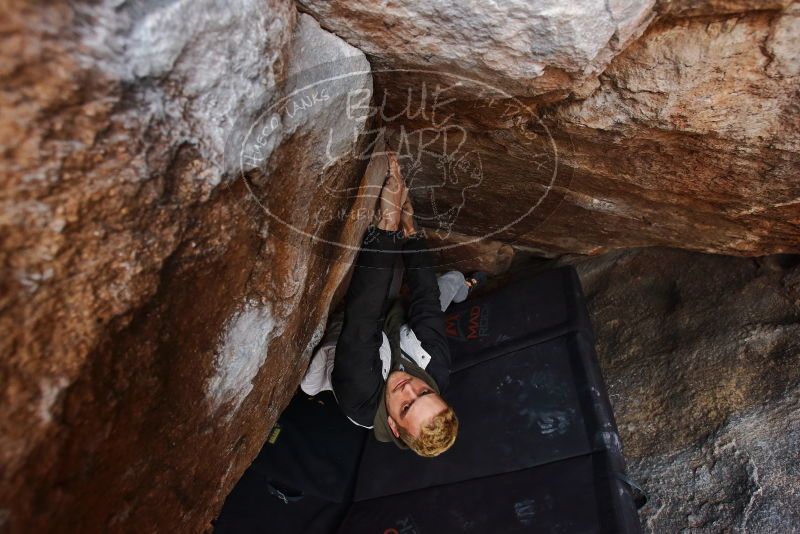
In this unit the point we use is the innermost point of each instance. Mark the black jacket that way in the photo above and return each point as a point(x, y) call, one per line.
point(357, 379)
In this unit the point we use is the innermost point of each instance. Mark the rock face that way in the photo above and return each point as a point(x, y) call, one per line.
point(156, 319)
point(583, 126)
point(701, 355)
point(184, 184)
point(528, 48)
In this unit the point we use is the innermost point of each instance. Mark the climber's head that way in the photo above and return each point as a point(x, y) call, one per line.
point(418, 416)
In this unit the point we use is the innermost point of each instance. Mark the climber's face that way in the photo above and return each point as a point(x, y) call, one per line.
point(410, 403)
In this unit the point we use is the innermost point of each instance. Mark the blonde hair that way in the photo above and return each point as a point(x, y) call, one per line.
point(435, 436)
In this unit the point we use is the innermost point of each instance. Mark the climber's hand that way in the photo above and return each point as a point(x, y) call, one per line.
point(394, 166)
point(407, 218)
point(393, 196)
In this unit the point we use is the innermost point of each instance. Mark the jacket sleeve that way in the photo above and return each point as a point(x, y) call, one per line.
point(425, 315)
point(356, 377)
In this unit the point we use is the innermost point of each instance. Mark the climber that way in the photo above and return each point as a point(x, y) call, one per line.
point(387, 374)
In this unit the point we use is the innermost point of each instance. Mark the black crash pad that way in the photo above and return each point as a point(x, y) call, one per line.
point(571, 496)
point(527, 311)
point(533, 406)
point(537, 452)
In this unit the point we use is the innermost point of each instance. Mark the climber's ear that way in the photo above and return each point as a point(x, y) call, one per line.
point(393, 426)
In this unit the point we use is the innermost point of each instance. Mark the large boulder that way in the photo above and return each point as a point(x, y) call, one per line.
point(701, 356)
point(589, 126)
point(185, 184)
point(157, 315)
point(527, 48)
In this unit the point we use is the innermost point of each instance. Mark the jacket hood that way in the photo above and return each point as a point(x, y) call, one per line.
point(381, 428)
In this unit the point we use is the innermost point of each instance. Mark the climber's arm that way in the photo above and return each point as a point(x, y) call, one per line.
point(356, 378)
point(425, 315)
